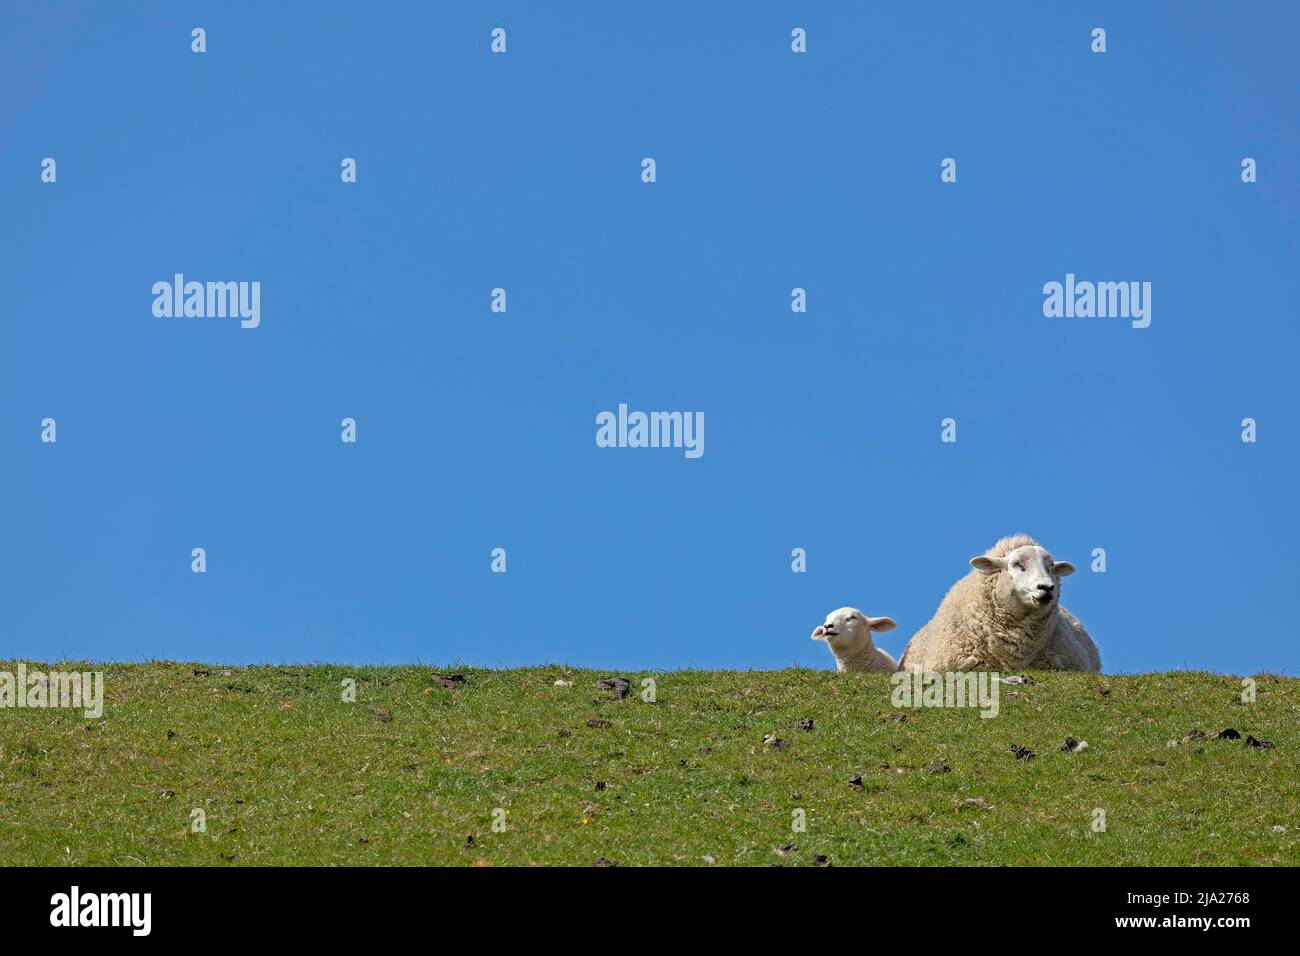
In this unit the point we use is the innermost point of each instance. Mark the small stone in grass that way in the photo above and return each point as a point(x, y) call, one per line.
point(597, 723)
point(855, 782)
point(785, 848)
point(772, 740)
point(1257, 743)
point(1022, 753)
point(604, 862)
point(449, 680)
point(938, 768)
point(600, 784)
point(1016, 679)
point(821, 860)
point(896, 718)
point(564, 733)
point(171, 734)
point(1073, 746)
point(1278, 828)
point(563, 683)
point(469, 841)
point(975, 802)
point(805, 724)
point(1228, 733)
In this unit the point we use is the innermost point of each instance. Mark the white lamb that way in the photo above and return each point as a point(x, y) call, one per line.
point(1005, 615)
point(847, 632)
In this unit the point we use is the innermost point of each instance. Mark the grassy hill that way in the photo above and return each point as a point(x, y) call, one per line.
point(287, 773)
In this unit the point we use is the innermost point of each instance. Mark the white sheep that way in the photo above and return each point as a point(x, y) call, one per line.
point(1005, 615)
point(847, 632)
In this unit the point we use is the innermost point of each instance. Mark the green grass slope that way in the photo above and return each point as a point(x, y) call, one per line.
point(286, 772)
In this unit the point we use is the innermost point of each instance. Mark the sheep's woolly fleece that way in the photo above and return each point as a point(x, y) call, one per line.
point(982, 625)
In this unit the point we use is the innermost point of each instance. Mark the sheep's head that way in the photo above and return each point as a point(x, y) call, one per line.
point(1028, 578)
point(848, 630)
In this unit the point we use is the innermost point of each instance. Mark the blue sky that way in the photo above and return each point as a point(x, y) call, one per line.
point(477, 430)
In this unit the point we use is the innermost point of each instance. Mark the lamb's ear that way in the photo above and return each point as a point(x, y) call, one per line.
point(1063, 569)
point(988, 565)
point(881, 623)
point(819, 633)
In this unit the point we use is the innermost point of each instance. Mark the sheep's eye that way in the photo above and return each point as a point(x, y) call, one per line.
point(1018, 567)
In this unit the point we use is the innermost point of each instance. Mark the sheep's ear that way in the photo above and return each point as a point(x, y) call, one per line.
point(881, 623)
point(1063, 569)
point(988, 565)
point(819, 633)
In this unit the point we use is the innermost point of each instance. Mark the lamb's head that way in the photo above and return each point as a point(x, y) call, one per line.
point(848, 631)
point(1028, 580)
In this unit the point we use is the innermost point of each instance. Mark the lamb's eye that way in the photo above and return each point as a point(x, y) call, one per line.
point(1018, 567)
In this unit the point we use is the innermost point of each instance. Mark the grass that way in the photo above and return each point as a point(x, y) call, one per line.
point(285, 772)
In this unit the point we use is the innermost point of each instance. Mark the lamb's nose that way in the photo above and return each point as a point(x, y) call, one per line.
point(1046, 588)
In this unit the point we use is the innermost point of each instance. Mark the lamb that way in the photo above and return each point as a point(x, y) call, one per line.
point(1005, 615)
point(847, 632)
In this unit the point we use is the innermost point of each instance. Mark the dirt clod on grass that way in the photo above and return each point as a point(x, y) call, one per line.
point(619, 685)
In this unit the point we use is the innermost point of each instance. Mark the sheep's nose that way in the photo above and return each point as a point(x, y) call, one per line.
point(1046, 588)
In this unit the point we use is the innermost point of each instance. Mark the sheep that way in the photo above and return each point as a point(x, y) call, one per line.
point(1005, 615)
point(847, 632)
